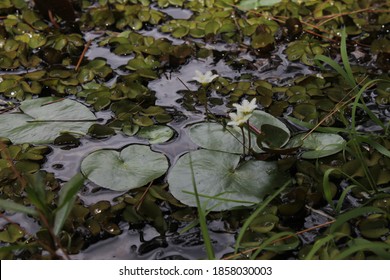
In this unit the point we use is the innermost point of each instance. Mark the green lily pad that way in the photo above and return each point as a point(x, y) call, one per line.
point(254, 4)
point(156, 133)
point(319, 144)
point(264, 223)
point(41, 120)
point(100, 131)
point(133, 167)
point(272, 136)
point(221, 180)
point(214, 136)
point(374, 227)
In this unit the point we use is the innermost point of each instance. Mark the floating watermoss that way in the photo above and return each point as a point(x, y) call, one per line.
point(11, 233)
point(304, 50)
point(235, 37)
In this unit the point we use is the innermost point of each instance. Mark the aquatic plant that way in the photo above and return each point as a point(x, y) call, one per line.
point(204, 79)
point(244, 113)
point(309, 155)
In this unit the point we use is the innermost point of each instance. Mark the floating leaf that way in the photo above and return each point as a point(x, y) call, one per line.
point(100, 131)
point(254, 4)
point(214, 136)
point(222, 181)
point(264, 223)
point(272, 136)
point(319, 144)
point(67, 197)
point(11, 233)
point(374, 227)
point(156, 133)
point(43, 119)
point(67, 139)
point(130, 168)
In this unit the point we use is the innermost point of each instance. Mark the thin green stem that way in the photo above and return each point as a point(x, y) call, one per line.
point(249, 137)
point(260, 207)
point(243, 139)
point(206, 109)
point(202, 218)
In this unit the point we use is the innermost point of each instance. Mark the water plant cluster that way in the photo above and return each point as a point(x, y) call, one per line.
point(285, 121)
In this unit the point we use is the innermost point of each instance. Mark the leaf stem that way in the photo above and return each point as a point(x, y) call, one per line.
point(249, 137)
point(243, 139)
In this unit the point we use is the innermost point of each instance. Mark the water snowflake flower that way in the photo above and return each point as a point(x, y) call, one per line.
point(246, 107)
point(238, 119)
point(204, 79)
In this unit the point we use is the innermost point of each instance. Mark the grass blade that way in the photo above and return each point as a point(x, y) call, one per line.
point(343, 218)
point(67, 196)
point(9, 205)
point(380, 249)
point(202, 218)
point(327, 187)
point(334, 65)
point(261, 207)
point(342, 198)
point(344, 58)
point(317, 246)
point(270, 241)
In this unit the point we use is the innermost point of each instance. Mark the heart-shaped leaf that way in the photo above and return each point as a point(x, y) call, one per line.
point(156, 133)
point(43, 119)
point(272, 136)
point(318, 144)
point(214, 136)
point(128, 169)
point(222, 181)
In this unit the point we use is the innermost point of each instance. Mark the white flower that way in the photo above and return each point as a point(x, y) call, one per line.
point(319, 75)
point(246, 107)
point(238, 119)
point(1, 79)
point(204, 79)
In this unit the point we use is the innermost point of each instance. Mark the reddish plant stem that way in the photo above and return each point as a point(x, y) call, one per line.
point(82, 55)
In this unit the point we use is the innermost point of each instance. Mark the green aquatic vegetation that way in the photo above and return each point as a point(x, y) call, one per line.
point(259, 50)
point(234, 182)
point(42, 120)
point(133, 167)
point(215, 136)
point(156, 134)
point(52, 220)
point(318, 145)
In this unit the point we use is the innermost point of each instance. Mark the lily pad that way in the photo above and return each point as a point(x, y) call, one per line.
point(128, 169)
point(272, 136)
point(214, 136)
point(41, 120)
point(254, 4)
point(156, 133)
point(319, 144)
point(222, 181)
